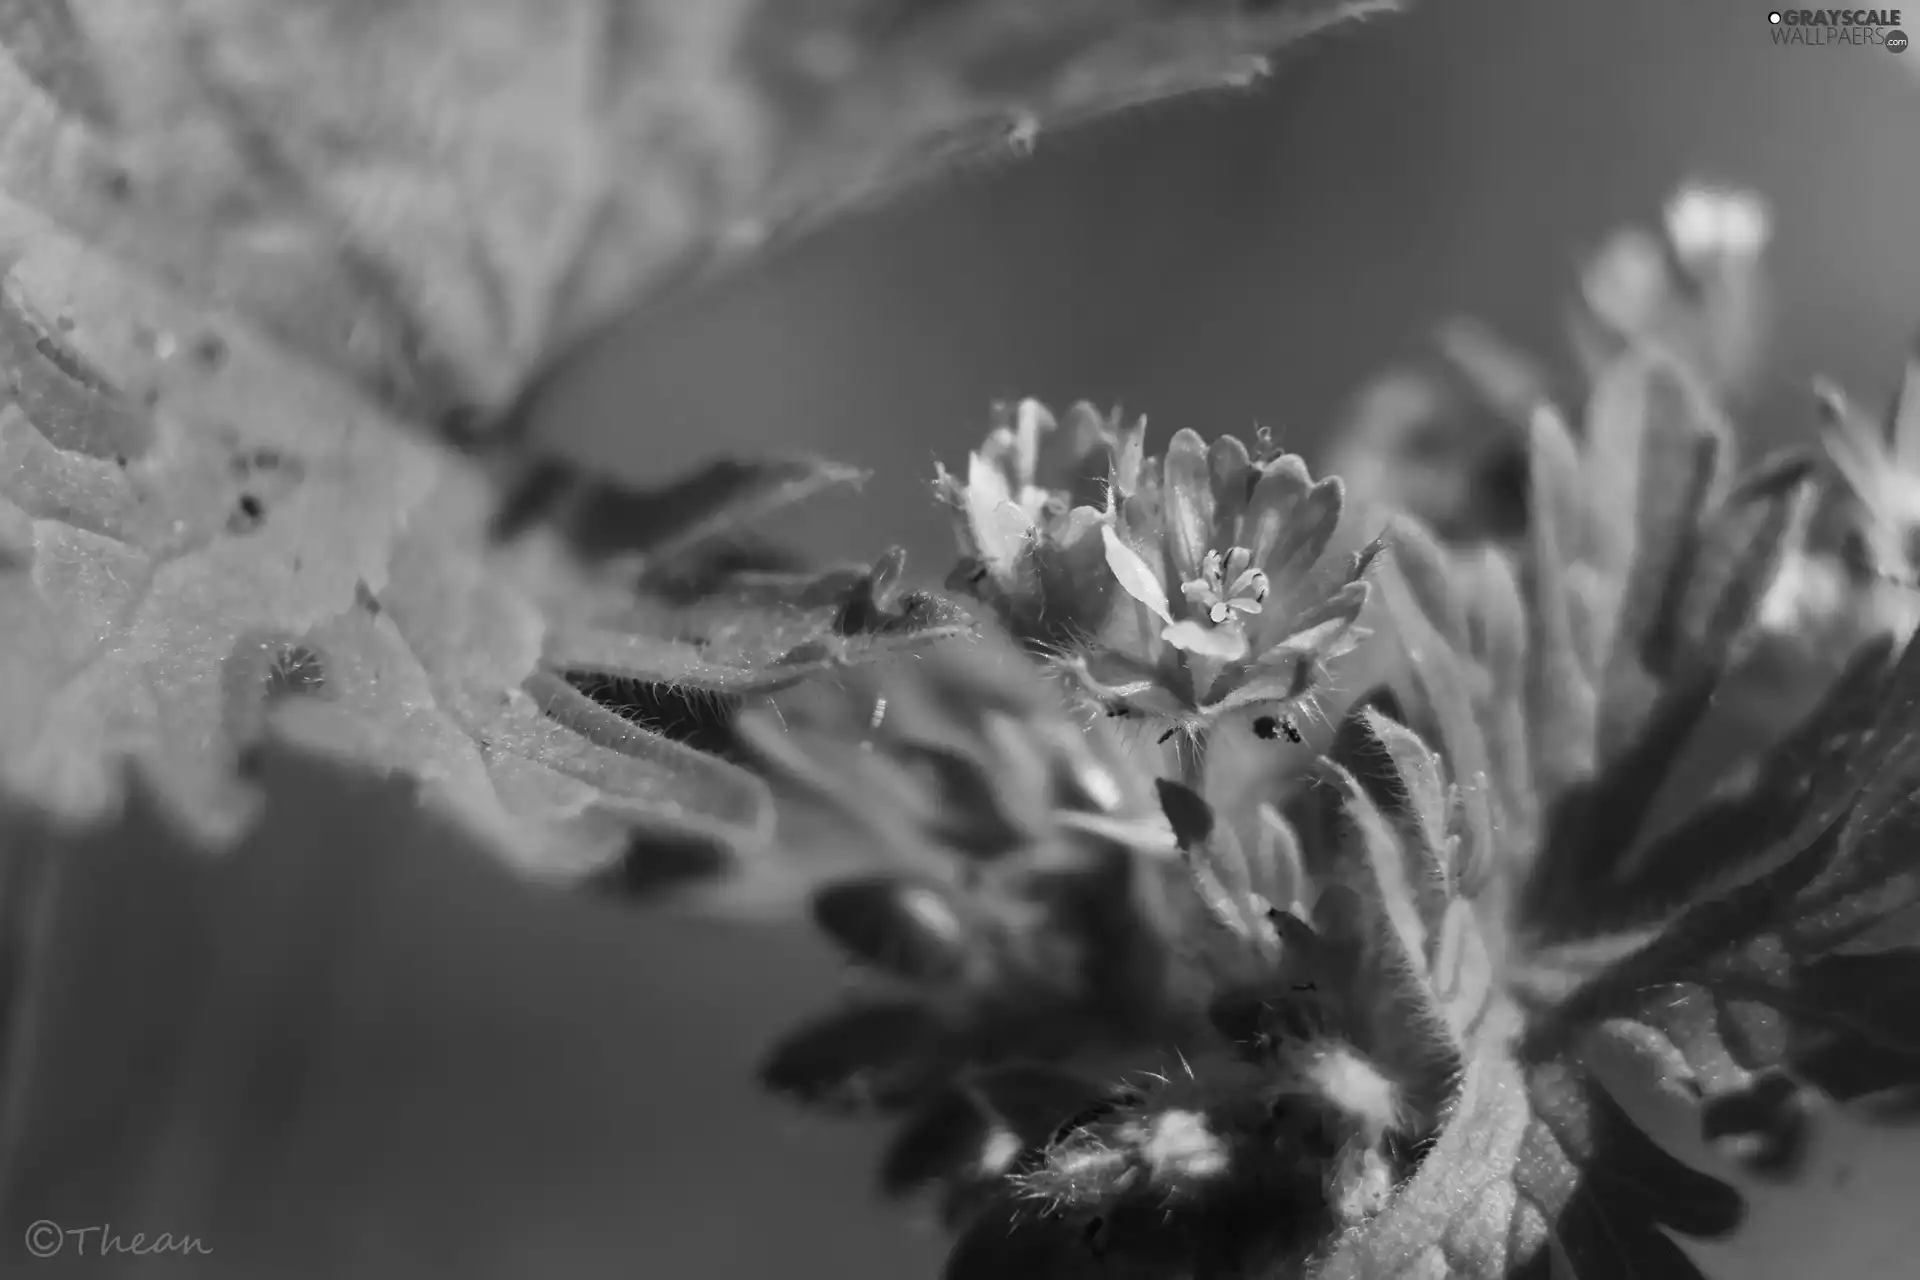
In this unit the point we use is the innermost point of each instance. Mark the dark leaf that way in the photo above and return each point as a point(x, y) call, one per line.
point(1577, 887)
point(1797, 965)
point(723, 499)
point(1711, 843)
point(944, 1141)
point(912, 930)
point(1190, 815)
point(968, 813)
point(1618, 1188)
point(1763, 1125)
point(659, 863)
point(872, 1056)
point(1036, 1102)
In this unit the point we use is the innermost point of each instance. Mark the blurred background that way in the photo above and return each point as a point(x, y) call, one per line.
point(467, 1078)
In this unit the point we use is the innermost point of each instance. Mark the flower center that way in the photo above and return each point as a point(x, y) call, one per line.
point(1228, 586)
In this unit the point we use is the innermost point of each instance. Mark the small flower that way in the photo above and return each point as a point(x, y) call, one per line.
point(1449, 446)
point(1879, 464)
point(1028, 547)
point(1699, 291)
point(1258, 615)
point(1206, 540)
point(1705, 223)
point(1229, 586)
point(1857, 575)
point(1491, 925)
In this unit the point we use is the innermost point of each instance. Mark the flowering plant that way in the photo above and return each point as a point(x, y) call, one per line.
point(1369, 1018)
point(1362, 1019)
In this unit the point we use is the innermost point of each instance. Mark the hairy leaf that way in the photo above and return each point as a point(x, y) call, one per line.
point(433, 197)
point(194, 545)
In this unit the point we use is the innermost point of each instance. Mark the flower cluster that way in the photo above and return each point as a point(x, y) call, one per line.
point(1448, 446)
point(1364, 1021)
point(1004, 878)
point(1198, 587)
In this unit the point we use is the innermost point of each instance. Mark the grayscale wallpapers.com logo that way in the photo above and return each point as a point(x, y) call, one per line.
point(1839, 26)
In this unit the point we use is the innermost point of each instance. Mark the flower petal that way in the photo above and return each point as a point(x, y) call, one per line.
point(1033, 425)
point(1305, 536)
point(1233, 478)
point(1067, 459)
point(998, 525)
point(1283, 482)
point(1903, 420)
point(1315, 629)
point(880, 1055)
point(1229, 643)
point(1187, 490)
point(1251, 583)
point(1136, 578)
point(1129, 455)
point(1074, 592)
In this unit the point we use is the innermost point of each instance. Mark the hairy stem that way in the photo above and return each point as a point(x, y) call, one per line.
point(1191, 748)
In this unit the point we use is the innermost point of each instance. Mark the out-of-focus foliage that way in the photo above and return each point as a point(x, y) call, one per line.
point(251, 242)
point(180, 561)
point(434, 197)
point(254, 243)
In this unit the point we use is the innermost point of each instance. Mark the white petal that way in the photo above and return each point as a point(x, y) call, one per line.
point(1031, 422)
point(1136, 578)
point(1229, 643)
point(1000, 528)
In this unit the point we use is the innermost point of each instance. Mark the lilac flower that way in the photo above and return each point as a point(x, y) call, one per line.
point(1234, 606)
point(1027, 549)
point(1226, 601)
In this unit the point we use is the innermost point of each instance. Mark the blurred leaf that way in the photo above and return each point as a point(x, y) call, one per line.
point(181, 567)
point(250, 240)
point(434, 196)
point(664, 525)
point(867, 1056)
point(910, 929)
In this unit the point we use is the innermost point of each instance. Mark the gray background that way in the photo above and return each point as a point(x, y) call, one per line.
point(521, 1086)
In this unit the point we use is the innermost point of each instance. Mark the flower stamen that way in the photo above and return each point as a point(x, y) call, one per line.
point(1228, 586)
